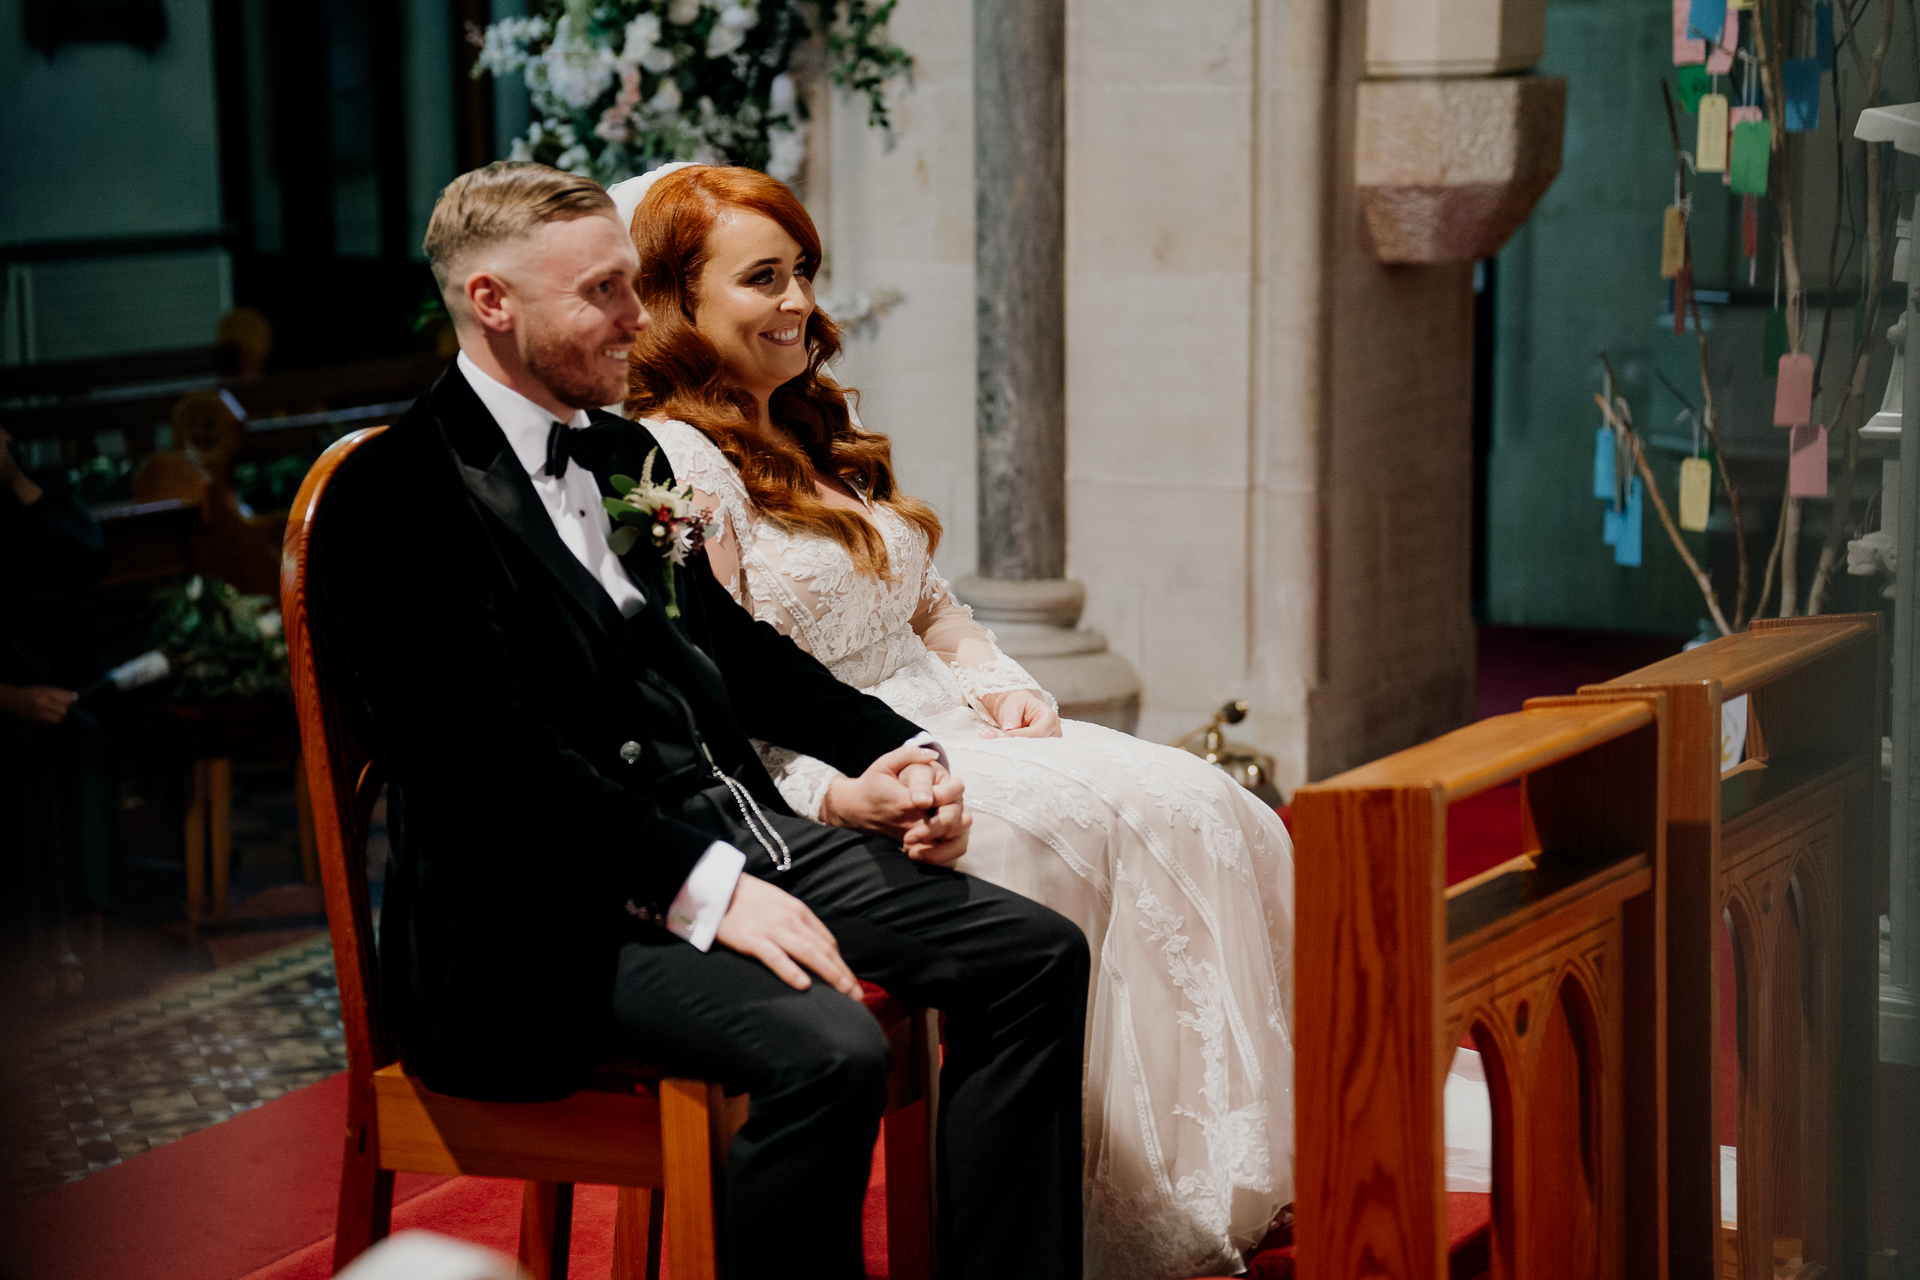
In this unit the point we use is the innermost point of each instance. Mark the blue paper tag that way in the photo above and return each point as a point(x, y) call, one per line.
point(1610, 526)
point(1802, 89)
point(1626, 543)
point(1705, 18)
point(1823, 33)
point(1603, 464)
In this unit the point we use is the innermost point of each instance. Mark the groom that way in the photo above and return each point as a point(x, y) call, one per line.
point(588, 852)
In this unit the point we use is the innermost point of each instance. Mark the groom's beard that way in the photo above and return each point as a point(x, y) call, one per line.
point(572, 374)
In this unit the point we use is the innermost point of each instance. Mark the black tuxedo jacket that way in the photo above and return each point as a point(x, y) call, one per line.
point(548, 755)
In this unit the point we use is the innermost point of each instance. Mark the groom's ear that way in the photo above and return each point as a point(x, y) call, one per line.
point(488, 299)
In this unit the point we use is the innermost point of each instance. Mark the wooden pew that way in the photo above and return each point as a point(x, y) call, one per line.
point(1779, 853)
point(1551, 963)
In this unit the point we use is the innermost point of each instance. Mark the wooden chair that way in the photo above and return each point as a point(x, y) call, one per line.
point(1775, 856)
point(661, 1143)
point(1550, 961)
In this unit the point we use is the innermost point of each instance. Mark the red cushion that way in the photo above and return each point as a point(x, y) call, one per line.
point(1469, 1236)
point(881, 1003)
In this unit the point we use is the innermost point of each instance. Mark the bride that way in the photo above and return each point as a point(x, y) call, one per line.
point(1181, 879)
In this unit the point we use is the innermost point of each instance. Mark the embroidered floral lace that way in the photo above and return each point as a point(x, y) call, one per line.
point(1181, 880)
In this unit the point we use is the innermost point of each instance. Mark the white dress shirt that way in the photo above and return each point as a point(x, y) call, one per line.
point(572, 502)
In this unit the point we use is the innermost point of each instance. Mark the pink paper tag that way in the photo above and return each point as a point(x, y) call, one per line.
point(1685, 52)
point(1793, 397)
point(1720, 57)
point(1807, 465)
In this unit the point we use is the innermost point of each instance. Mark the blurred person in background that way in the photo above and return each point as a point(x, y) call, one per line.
point(57, 847)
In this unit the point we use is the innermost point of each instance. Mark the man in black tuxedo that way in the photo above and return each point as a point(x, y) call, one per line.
point(579, 814)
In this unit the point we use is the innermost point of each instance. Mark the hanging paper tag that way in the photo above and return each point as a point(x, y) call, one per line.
point(1749, 226)
point(1751, 138)
point(1710, 149)
point(1693, 82)
point(1610, 526)
point(1773, 344)
point(1705, 18)
point(1807, 463)
point(1800, 83)
point(1823, 33)
point(1603, 484)
point(1793, 394)
point(1696, 493)
point(1739, 6)
point(1720, 56)
point(1686, 49)
point(1626, 546)
point(1673, 242)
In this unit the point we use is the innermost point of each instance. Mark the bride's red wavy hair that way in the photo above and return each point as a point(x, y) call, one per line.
point(674, 372)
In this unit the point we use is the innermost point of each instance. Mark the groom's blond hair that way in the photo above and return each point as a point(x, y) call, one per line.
point(499, 202)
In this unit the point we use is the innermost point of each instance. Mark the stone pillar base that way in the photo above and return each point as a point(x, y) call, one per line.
point(1035, 623)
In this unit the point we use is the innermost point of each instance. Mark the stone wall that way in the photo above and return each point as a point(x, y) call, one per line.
point(1267, 431)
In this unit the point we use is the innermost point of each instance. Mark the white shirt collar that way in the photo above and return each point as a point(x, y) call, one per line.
point(525, 423)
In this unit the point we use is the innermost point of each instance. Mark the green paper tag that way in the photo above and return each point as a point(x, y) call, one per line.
point(1748, 167)
point(1774, 344)
point(1694, 81)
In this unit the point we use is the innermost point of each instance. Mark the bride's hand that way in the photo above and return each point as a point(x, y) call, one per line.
point(906, 796)
point(1021, 713)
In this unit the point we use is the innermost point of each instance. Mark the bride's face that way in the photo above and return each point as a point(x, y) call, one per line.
point(755, 295)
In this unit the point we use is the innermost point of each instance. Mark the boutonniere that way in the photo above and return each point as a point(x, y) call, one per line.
point(665, 515)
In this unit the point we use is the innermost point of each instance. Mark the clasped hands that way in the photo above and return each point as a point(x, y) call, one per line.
point(905, 795)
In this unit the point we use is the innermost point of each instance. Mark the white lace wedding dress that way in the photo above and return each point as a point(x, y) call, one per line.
point(1181, 879)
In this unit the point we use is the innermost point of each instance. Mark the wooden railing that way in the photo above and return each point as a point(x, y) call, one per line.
point(1551, 963)
point(1778, 853)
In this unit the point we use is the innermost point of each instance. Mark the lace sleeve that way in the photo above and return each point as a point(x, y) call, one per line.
point(803, 780)
point(948, 630)
point(697, 461)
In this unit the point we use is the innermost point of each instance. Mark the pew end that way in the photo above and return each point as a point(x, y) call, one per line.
point(1552, 964)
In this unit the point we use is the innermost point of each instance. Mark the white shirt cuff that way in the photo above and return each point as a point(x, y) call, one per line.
point(925, 739)
point(703, 900)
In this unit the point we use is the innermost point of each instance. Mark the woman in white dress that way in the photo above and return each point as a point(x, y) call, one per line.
point(1182, 880)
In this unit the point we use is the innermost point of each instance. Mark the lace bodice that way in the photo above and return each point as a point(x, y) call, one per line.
point(906, 640)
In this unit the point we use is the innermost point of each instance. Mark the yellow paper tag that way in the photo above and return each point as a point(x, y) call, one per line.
point(1696, 493)
point(1673, 243)
point(1710, 148)
point(1739, 4)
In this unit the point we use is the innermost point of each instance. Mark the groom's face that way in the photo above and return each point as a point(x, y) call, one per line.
point(575, 313)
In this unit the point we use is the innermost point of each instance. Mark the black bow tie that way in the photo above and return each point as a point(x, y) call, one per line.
point(562, 445)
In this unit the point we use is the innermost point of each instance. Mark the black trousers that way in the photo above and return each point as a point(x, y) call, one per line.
point(57, 837)
point(1011, 976)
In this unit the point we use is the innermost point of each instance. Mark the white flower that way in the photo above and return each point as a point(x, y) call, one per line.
point(781, 96)
point(658, 60)
point(681, 12)
point(576, 69)
point(270, 623)
point(787, 148)
point(730, 32)
point(642, 33)
point(668, 98)
point(573, 160)
point(504, 47)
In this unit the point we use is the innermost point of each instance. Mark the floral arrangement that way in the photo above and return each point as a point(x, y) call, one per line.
point(666, 515)
point(621, 87)
point(219, 642)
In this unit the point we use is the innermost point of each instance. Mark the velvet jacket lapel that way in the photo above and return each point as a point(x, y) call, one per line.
point(493, 474)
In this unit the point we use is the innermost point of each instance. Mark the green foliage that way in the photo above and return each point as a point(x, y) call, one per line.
point(861, 58)
point(221, 644)
point(270, 486)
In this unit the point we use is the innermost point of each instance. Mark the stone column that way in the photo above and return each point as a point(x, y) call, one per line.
point(1020, 244)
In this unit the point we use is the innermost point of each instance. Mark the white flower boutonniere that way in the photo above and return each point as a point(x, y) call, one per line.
point(666, 515)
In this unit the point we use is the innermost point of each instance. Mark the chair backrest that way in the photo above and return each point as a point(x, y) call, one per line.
point(342, 779)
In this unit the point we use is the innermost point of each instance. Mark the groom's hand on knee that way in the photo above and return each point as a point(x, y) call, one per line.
point(774, 927)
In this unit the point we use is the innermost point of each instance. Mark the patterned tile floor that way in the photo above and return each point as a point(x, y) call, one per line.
point(155, 1070)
